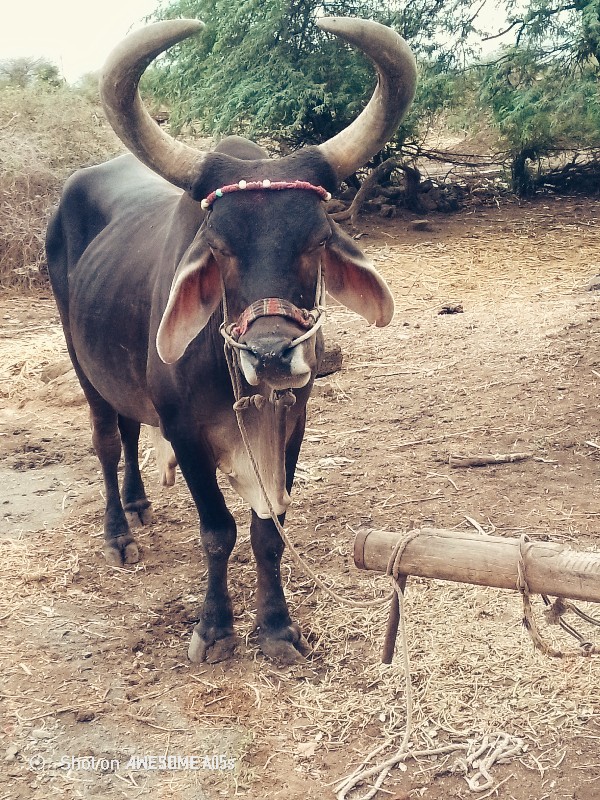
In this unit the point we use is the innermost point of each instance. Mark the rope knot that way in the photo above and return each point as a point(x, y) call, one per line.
point(399, 584)
point(285, 398)
point(256, 400)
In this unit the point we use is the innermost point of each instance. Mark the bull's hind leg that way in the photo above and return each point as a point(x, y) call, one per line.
point(136, 504)
point(120, 546)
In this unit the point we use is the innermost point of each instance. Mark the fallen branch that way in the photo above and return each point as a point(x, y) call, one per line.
point(377, 176)
point(455, 460)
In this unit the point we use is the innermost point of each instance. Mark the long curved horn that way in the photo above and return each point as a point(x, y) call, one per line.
point(397, 78)
point(175, 161)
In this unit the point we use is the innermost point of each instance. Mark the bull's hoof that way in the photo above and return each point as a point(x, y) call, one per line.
point(287, 646)
point(120, 551)
point(138, 514)
point(212, 652)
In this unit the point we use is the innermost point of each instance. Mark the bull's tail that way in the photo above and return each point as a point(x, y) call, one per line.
point(165, 457)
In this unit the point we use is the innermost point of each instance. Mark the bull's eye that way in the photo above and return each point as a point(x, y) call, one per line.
point(221, 251)
point(323, 242)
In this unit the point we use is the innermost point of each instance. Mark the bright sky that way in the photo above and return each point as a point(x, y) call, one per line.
point(74, 34)
point(77, 35)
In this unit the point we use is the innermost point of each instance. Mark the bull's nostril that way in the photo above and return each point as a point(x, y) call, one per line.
point(253, 357)
point(270, 356)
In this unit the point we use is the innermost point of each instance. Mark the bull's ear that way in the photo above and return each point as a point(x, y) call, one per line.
point(352, 279)
point(195, 294)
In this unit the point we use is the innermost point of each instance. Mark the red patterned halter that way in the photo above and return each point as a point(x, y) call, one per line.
point(272, 307)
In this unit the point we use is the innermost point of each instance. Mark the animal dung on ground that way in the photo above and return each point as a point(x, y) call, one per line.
point(421, 226)
point(330, 361)
point(451, 308)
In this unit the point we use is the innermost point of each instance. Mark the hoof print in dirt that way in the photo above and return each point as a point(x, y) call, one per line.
point(84, 715)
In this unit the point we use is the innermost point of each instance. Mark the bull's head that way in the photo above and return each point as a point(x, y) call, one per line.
point(262, 243)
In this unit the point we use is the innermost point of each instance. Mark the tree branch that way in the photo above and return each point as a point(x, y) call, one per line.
point(379, 174)
point(504, 32)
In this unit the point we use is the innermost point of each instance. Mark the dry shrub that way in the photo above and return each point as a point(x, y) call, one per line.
point(45, 135)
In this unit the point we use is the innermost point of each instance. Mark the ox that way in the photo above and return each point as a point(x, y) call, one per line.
point(149, 253)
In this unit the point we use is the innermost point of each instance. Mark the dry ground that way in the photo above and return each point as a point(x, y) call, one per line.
point(93, 660)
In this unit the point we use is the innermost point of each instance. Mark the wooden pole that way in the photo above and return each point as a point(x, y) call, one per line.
point(485, 561)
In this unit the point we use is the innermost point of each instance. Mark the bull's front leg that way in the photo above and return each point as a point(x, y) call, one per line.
point(278, 636)
point(213, 638)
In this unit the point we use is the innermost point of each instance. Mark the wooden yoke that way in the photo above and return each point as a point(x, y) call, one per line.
point(485, 561)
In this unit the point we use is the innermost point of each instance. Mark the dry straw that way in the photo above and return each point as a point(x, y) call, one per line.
point(45, 134)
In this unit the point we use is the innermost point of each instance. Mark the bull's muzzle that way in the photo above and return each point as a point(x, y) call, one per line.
point(275, 342)
point(271, 357)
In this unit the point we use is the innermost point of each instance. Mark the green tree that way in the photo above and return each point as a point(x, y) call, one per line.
point(25, 72)
point(264, 69)
point(543, 89)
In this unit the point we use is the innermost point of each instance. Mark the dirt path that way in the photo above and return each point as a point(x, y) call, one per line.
point(93, 668)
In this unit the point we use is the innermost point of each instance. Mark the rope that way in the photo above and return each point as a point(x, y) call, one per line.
point(241, 403)
point(480, 757)
point(382, 770)
point(553, 616)
point(560, 606)
point(500, 749)
point(399, 583)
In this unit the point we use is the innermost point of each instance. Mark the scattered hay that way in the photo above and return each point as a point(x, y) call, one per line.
point(343, 702)
point(22, 369)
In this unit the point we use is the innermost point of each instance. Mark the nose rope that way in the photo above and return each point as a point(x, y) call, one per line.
point(313, 320)
point(285, 400)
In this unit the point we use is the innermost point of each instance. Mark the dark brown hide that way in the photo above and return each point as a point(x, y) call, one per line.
point(140, 273)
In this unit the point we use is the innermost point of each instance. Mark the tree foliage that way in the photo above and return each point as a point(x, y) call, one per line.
point(265, 69)
point(26, 72)
point(543, 89)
